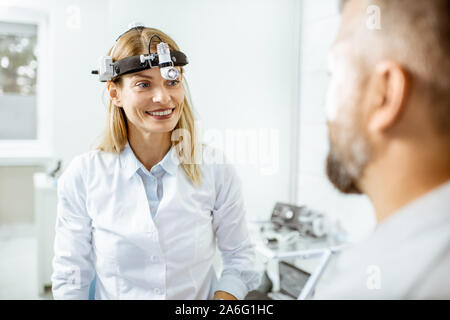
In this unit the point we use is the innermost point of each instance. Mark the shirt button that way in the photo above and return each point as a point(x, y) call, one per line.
point(154, 258)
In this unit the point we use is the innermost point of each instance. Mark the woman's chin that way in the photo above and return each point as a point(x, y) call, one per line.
point(160, 128)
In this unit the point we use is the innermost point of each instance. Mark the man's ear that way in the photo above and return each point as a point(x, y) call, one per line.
point(114, 93)
point(389, 91)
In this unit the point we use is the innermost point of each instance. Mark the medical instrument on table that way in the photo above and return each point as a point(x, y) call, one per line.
point(297, 244)
point(290, 223)
point(165, 59)
point(294, 282)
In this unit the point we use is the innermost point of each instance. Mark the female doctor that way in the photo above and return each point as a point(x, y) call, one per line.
point(138, 213)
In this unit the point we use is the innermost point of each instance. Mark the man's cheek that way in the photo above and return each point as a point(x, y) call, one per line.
point(332, 134)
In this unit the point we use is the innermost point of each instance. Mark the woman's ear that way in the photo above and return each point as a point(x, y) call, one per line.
point(114, 93)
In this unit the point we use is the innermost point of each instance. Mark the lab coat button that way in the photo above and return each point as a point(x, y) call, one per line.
point(154, 258)
point(157, 291)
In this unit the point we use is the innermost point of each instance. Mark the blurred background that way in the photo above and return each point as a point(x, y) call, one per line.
point(257, 71)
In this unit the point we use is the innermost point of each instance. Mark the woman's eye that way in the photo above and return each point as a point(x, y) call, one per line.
point(173, 82)
point(142, 85)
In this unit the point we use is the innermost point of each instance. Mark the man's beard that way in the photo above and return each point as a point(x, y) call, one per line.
point(345, 174)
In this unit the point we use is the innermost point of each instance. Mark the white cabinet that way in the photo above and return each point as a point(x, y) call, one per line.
point(45, 217)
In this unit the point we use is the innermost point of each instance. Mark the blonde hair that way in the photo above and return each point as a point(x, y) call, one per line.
point(115, 136)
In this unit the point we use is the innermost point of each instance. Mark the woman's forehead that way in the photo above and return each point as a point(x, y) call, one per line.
point(150, 73)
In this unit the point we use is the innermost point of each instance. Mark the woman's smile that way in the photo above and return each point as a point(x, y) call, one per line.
point(161, 114)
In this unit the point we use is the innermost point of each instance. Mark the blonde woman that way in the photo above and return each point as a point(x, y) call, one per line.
point(141, 214)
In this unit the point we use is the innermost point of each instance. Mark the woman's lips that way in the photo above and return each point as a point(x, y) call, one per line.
point(161, 114)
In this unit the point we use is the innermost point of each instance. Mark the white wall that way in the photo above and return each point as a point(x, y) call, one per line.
point(16, 184)
point(243, 73)
point(320, 22)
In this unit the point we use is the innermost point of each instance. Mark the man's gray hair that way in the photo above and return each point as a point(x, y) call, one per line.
point(422, 28)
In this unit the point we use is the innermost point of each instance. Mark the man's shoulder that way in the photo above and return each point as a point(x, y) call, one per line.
point(435, 283)
point(392, 265)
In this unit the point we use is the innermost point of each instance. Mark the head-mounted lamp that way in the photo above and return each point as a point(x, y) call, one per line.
point(165, 59)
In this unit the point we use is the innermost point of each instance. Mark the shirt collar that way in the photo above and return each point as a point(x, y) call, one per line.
point(130, 163)
point(431, 209)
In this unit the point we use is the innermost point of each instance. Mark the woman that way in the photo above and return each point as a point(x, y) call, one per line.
point(141, 213)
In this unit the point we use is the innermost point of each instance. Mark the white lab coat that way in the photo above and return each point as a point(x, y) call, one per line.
point(104, 226)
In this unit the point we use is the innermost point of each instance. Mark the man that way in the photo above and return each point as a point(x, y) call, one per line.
point(388, 110)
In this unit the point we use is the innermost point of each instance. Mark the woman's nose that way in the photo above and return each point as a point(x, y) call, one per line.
point(160, 96)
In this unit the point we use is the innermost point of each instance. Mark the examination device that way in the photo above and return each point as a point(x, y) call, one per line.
point(164, 58)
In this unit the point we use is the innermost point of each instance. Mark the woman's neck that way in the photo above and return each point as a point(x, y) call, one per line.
point(149, 147)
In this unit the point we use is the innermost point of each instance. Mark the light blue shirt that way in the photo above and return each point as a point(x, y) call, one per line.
point(152, 181)
point(150, 235)
point(406, 257)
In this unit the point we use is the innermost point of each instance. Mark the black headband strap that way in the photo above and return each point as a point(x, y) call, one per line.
point(133, 64)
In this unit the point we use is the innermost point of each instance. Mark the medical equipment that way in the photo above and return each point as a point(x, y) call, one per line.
point(294, 282)
point(303, 220)
point(295, 245)
point(165, 59)
point(55, 172)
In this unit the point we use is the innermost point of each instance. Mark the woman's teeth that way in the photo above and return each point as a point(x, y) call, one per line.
point(160, 113)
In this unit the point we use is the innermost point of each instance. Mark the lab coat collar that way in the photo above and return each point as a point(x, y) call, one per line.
point(130, 163)
point(170, 161)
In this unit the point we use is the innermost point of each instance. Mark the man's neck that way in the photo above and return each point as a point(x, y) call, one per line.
point(149, 148)
point(393, 182)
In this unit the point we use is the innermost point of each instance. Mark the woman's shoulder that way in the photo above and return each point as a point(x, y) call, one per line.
point(219, 169)
point(216, 161)
point(93, 159)
point(213, 157)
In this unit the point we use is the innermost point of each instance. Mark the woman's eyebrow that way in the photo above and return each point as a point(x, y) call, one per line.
point(142, 76)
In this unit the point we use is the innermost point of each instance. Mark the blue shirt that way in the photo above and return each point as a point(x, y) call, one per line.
point(152, 181)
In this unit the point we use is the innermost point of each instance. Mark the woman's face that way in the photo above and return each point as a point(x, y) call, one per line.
point(151, 103)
